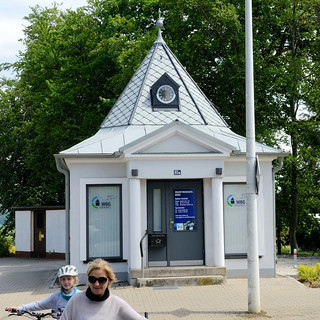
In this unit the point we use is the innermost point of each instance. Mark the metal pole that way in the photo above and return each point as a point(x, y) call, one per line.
point(252, 223)
point(295, 258)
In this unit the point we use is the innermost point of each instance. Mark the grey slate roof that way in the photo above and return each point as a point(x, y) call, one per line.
point(134, 104)
point(132, 116)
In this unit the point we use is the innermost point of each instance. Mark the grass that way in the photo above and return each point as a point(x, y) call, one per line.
point(287, 250)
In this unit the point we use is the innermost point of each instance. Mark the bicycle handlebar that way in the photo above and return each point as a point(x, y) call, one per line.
point(38, 316)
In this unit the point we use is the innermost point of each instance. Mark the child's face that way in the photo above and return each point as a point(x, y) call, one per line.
point(67, 282)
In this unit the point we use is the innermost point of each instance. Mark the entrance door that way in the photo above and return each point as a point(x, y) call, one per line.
point(175, 223)
point(39, 233)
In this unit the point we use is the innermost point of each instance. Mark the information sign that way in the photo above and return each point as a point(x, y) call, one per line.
point(184, 210)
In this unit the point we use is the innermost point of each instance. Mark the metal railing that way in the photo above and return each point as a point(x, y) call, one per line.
point(141, 253)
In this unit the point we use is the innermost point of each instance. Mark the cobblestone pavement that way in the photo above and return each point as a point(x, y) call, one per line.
point(283, 297)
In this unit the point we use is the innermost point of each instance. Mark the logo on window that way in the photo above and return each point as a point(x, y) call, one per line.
point(236, 200)
point(96, 203)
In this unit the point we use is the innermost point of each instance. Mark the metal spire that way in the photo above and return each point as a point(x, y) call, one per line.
point(159, 24)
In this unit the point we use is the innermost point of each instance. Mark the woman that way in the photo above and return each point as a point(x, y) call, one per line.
point(97, 302)
point(68, 278)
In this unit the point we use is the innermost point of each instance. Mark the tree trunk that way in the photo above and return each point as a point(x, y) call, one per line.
point(294, 195)
point(278, 240)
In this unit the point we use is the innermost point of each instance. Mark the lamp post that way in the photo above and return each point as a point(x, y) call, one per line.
point(252, 219)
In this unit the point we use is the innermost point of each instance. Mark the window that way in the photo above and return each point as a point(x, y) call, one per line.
point(235, 219)
point(104, 214)
point(156, 212)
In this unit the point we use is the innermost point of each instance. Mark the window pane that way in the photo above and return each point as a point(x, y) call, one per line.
point(104, 221)
point(157, 210)
point(235, 218)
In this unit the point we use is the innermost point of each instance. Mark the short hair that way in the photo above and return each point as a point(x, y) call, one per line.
point(103, 265)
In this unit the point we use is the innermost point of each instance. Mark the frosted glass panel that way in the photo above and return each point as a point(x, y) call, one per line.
point(104, 221)
point(157, 210)
point(235, 218)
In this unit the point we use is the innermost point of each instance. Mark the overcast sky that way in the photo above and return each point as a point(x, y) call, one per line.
point(12, 24)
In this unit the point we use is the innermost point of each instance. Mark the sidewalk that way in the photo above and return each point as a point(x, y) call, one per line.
point(283, 297)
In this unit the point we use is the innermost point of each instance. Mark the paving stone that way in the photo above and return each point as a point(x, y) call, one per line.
point(283, 297)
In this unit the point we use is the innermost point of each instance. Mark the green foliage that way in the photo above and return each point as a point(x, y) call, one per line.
point(76, 64)
point(286, 250)
point(6, 248)
point(309, 274)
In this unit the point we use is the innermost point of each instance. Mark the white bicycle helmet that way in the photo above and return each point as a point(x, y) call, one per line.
point(67, 270)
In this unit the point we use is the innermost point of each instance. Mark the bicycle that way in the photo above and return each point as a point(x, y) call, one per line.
point(38, 316)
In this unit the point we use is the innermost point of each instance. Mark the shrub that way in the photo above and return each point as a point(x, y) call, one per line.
point(309, 274)
point(6, 248)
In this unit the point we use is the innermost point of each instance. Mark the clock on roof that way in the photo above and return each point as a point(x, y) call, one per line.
point(165, 93)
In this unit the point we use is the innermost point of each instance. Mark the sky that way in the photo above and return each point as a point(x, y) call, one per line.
point(12, 24)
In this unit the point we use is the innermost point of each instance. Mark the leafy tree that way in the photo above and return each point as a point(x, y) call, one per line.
point(290, 54)
point(13, 132)
point(55, 103)
point(76, 64)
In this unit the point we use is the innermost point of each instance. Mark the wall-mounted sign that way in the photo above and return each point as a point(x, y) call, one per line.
point(102, 203)
point(236, 199)
point(177, 172)
point(184, 210)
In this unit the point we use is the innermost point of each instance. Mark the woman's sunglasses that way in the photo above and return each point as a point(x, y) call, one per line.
point(101, 280)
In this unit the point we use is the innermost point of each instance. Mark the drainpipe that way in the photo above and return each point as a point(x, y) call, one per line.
point(63, 168)
point(274, 171)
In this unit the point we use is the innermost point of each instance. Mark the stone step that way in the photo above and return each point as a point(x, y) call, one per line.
point(154, 272)
point(180, 281)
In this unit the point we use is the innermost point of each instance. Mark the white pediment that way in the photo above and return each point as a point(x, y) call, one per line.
point(178, 143)
point(177, 139)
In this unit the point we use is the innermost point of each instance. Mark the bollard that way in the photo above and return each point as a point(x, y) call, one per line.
point(295, 254)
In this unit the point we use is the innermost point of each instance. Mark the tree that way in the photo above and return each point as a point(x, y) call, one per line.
point(77, 63)
point(55, 103)
point(290, 54)
point(13, 181)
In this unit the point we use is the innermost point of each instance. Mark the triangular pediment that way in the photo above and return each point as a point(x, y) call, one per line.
point(177, 139)
point(176, 144)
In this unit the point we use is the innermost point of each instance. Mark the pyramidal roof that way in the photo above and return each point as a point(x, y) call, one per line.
point(134, 106)
point(132, 117)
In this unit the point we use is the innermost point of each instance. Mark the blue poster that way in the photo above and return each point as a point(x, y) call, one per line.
point(184, 210)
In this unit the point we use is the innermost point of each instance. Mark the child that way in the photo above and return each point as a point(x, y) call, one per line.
point(68, 277)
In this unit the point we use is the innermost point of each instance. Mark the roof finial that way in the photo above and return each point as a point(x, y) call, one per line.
point(159, 24)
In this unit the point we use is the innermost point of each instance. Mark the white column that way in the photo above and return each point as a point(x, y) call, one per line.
point(135, 224)
point(208, 218)
point(218, 234)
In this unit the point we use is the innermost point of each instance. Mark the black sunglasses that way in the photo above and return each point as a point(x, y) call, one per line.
point(101, 280)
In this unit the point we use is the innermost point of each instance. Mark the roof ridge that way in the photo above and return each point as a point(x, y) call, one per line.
point(143, 82)
point(203, 94)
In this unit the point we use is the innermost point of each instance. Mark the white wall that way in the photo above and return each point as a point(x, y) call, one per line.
point(56, 231)
point(23, 225)
point(235, 171)
point(104, 171)
point(84, 173)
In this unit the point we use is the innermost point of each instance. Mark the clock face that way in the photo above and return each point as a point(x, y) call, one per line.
point(166, 94)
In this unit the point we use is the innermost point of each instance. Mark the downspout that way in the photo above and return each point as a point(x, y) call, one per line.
point(274, 171)
point(62, 167)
